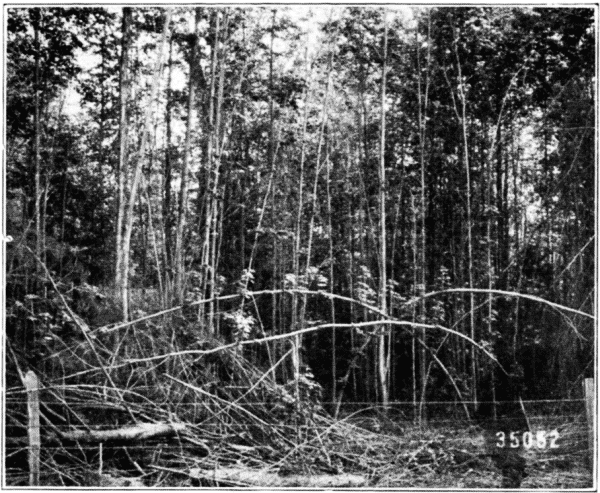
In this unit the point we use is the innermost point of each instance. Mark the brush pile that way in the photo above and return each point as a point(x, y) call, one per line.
point(167, 408)
point(152, 414)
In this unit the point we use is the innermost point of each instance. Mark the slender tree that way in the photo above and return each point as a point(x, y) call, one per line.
point(215, 197)
point(296, 322)
point(37, 133)
point(168, 173)
point(133, 191)
point(467, 164)
point(187, 152)
point(423, 101)
point(123, 155)
point(384, 347)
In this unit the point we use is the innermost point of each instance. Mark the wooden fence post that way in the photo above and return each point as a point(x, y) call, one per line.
point(588, 388)
point(33, 427)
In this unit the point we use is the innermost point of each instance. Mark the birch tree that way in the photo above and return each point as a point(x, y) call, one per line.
point(137, 173)
point(383, 343)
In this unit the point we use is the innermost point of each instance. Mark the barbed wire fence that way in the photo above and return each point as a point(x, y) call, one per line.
point(560, 433)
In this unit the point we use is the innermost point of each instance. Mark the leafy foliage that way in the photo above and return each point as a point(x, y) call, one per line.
point(282, 143)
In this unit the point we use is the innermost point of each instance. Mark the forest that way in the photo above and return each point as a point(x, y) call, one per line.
point(338, 244)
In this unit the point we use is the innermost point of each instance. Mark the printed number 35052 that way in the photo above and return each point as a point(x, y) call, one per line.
point(541, 439)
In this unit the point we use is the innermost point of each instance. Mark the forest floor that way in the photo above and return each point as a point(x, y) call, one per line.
point(489, 478)
point(414, 457)
point(234, 425)
point(458, 457)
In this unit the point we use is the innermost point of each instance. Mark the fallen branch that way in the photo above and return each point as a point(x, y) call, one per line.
point(272, 480)
point(389, 322)
point(143, 431)
point(499, 292)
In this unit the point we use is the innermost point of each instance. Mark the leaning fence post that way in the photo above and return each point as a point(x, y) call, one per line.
point(33, 427)
point(588, 388)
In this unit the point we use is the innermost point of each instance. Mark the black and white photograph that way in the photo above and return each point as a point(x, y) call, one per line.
point(299, 246)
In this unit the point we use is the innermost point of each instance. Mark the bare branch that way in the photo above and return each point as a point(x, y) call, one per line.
point(508, 293)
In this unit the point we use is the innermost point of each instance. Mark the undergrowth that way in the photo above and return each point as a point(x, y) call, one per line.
point(230, 412)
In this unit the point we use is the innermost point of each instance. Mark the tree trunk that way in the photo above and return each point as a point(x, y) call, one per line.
point(331, 279)
point(309, 245)
point(219, 138)
point(502, 214)
point(179, 285)
point(415, 266)
point(36, 146)
point(463, 120)
point(128, 434)
point(298, 228)
point(166, 212)
point(129, 213)
point(211, 145)
point(204, 212)
point(490, 269)
point(123, 155)
point(271, 162)
point(423, 105)
point(383, 341)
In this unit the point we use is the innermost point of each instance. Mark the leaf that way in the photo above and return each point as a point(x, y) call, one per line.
point(290, 281)
point(84, 326)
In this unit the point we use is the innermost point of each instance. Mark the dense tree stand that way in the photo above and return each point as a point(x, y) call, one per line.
point(273, 225)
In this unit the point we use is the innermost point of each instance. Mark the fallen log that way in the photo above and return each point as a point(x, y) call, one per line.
point(123, 435)
point(253, 477)
point(135, 433)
